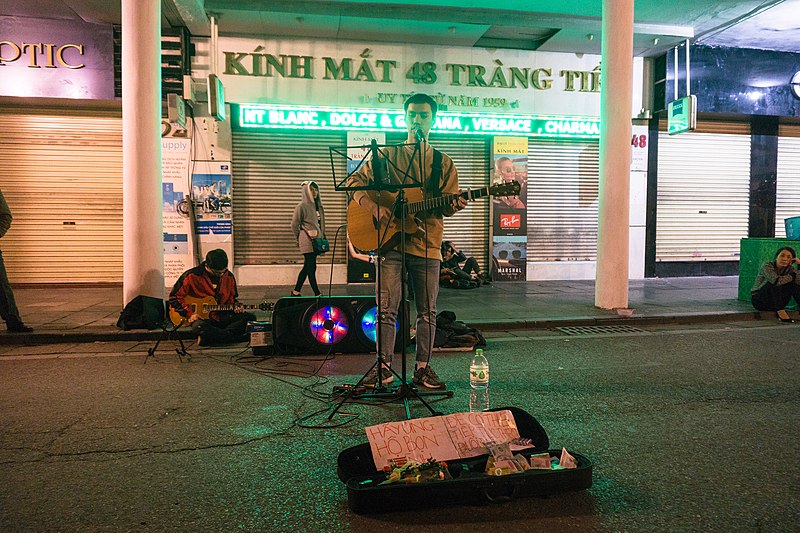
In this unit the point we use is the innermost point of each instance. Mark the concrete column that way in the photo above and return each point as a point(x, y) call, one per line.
point(143, 251)
point(616, 93)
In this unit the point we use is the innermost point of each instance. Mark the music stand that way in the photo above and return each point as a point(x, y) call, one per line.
point(381, 183)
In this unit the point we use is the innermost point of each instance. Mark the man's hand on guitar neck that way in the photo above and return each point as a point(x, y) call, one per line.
point(459, 202)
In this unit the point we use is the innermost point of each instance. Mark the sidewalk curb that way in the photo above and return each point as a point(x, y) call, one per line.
point(620, 321)
point(113, 335)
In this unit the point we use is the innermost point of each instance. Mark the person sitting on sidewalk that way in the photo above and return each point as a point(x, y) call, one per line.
point(777, 282)
point(451, 266)
point(211, 278)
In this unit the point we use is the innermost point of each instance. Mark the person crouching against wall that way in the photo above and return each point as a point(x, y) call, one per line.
point(308, 222)
point(777, 282)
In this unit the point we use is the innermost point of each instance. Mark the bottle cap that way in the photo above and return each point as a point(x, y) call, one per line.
point(479, 351)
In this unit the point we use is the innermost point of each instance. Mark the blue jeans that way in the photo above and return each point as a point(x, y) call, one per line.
point(424, 276)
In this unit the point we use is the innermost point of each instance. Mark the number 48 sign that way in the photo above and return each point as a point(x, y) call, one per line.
point(639, 148)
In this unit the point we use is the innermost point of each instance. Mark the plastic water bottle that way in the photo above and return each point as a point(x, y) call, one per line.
point(479, 382)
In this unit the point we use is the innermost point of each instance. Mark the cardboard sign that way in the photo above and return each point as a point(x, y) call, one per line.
point(442, 438)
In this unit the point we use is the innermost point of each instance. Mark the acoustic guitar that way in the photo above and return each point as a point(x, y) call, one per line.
point(362, 225)
point(203, 306)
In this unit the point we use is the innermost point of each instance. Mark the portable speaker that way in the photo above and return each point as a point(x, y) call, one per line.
point(337, 324)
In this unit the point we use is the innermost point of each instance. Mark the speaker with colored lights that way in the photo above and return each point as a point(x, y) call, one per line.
point(336, 324)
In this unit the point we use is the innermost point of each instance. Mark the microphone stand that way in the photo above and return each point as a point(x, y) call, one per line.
point(404, 391)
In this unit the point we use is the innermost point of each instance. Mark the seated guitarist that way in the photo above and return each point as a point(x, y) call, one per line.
point(211, 278)
point(438, 177)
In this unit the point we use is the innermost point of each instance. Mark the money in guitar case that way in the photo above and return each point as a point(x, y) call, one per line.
point(466, 482)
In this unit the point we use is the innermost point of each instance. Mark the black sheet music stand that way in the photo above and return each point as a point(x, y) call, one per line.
point(404, 391)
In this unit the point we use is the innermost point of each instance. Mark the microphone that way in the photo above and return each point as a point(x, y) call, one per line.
point(418, 133)
point(379, 168)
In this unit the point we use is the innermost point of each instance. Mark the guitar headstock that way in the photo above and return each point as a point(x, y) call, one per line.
point(507, 188)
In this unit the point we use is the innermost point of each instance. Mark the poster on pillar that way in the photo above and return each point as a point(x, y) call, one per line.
point(509, 214)
point(213, 205)
point(179, 252)
point(360, 268)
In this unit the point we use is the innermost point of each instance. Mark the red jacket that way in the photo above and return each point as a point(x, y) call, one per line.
point(196, 283)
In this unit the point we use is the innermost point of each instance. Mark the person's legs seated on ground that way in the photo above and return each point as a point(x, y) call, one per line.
point(236, 325)
point(213, 332)
point(775, 298)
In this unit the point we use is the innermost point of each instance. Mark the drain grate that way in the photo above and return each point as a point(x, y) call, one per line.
point(598, 330)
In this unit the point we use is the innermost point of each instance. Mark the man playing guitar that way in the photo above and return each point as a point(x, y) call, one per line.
point(438, 176)
point(211, 278)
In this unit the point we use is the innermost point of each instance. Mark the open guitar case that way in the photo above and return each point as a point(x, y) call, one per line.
point(469, 483)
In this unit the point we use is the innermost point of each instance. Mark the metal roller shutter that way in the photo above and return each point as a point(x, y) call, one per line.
point(268, 168)
point(788, 187)
point(562, 200)
point(62, 178)
point(703, 196)
point(469, 229)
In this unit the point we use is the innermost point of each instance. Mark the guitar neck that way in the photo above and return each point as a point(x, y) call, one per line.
point(447, 199)
point(229, 307)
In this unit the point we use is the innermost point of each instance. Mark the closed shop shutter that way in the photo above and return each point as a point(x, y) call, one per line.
point(562, 200)
point(62, 178)
point(468, 229)
point(268, 168)
point(788, 187)
point(703, 196)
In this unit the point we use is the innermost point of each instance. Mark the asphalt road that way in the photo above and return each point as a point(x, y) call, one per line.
point(689, 430)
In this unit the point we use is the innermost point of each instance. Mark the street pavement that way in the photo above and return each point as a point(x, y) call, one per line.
point(688, 411)
point(689, 427)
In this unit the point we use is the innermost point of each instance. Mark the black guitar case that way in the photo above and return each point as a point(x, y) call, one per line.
point(469, 483)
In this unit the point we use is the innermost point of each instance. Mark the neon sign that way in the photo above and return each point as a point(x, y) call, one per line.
point(266, 116)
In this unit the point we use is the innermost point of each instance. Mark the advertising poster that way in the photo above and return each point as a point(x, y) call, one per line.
point(211, 194)
point(212, 201)
point(360, 268)
point(509, 213)
point(178, 243)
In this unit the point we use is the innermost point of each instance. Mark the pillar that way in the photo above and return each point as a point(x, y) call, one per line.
point(143, 252)
point(616, 94)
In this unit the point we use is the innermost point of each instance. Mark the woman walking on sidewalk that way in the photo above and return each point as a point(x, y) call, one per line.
point(308, 223)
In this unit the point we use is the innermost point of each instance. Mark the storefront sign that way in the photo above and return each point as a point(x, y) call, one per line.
point(379, 75)
point(639, 148)
point(59, 59)
point(321, 118)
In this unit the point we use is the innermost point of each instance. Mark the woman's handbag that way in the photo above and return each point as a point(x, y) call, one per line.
point(320, 245)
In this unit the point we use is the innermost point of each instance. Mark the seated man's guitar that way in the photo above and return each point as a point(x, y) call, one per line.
point(362, 225)
point(203, 306)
